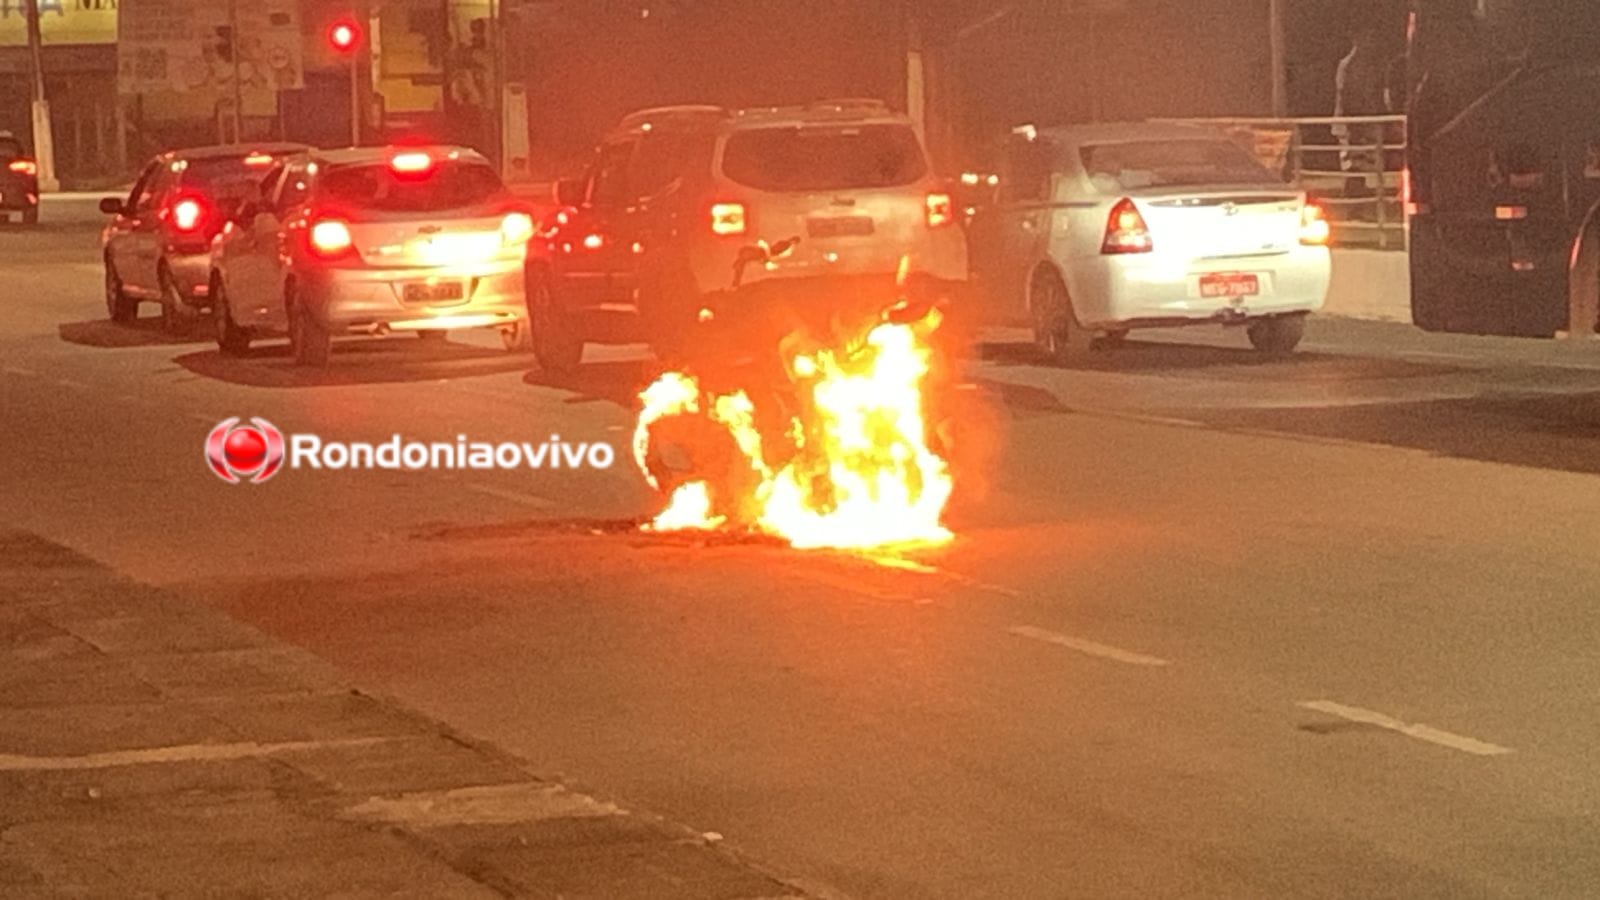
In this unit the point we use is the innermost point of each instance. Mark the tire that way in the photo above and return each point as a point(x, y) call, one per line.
point(122, 308)
point(231, 339)
point(517, 337)
point(1055, 328)
point(175, 319)
point(30, 216)
point(555, 343)
point(1278, 334)
point(311, 342)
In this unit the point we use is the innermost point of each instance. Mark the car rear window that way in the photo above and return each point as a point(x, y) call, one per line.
point(812, 158)
point(446, 186)
point(227, 177)
point(10, 147)
point(1180, 163)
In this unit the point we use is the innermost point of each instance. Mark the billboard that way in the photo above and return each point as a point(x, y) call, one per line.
point(184, 46)
point(61, 22)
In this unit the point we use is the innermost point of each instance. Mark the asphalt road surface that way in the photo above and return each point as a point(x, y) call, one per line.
point(1214, 625)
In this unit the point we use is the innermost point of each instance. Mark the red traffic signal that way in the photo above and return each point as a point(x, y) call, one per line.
point(344, 36)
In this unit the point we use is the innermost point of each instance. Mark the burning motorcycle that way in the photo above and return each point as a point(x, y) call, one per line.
point(805, 417)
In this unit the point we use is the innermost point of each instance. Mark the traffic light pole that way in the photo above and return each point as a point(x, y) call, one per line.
point(355, 96)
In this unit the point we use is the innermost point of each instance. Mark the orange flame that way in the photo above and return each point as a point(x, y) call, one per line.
point(863, 477)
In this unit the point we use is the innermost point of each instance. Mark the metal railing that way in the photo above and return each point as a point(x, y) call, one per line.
point(1353, 165)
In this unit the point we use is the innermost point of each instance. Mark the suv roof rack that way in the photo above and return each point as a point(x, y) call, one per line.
point(659, 113)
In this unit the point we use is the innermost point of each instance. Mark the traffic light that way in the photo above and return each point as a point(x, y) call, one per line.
point(344, 36)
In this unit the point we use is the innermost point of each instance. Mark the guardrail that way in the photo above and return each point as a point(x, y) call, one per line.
point(1353, 165)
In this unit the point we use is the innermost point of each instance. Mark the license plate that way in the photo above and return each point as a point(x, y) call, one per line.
point(432, 292)
point(1229, 285)
point(840, 226)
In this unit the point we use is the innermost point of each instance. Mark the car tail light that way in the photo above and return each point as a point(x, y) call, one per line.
point(1314, 228)
point(727, 218)
point(1510, 213)
point(411, 163)
point(259, 160)
point(24, 167)
point(1126, 231)
point(516, 228)
point(331, 238)
point(187, 215)
point(941, 210)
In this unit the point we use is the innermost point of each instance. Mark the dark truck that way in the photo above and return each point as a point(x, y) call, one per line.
point(1504, 167)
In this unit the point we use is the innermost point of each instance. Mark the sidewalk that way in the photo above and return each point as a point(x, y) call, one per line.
point(152, 747)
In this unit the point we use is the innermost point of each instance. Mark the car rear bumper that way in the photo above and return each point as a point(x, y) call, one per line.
point(1139, 290)
point(940, 255)
point(373, 299)
point(18, 194)
point(191, 272)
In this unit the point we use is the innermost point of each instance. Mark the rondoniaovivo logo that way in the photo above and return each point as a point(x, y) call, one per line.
point(237, 451)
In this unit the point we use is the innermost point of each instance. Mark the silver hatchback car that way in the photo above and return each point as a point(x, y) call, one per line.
point(371, 241)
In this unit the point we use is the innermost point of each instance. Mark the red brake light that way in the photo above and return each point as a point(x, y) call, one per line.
point(258, 160)
point(24, 167)
point(344, 36)
point(727, 218)
point(1314, 228)
point(330, 238)
point(187, 214)
point(411, 163)
point(941, 210)
point(1126, 231)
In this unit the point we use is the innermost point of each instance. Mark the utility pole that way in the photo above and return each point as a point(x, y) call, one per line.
point(916, 72)
point(44, 149)
point(238, 70)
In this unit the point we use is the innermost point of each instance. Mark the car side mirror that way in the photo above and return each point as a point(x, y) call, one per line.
point(112, 206)
point(571, 191)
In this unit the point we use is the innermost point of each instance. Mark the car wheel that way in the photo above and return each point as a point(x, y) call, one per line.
point(1055, 328)
point(312, 344)
point(1278, 334)
point(231, 339)
point(119, 306)
point(556, 344)
point(30, 216)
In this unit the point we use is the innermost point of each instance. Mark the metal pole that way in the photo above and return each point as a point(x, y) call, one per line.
point(1280, 60)
point(238, 72)
point(355, 98)
point(44, 152)
point(497, 77)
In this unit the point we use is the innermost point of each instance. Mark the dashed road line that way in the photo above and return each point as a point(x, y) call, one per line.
point(182, 753)
point(21, 372)
point(1104, 651)
point(75, 385)
point(1420, 732)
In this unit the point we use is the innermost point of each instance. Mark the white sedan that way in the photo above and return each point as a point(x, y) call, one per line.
point(1097, 230)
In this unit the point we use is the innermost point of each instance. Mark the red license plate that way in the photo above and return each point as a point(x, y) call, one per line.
point(1229, 285)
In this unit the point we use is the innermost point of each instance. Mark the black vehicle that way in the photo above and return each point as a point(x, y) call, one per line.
point(19, 180)
point(1504, 163)
point(672, 195)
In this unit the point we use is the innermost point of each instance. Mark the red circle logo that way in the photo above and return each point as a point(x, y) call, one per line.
point(233, 452)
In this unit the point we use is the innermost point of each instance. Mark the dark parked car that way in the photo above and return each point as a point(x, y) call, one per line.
point(19, 180)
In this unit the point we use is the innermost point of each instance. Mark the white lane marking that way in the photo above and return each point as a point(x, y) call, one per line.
point(1420, 732)
point(13, 370)
point(493, 805)
point(1103, 651)
point(181, 753)
point(75, 385)
point(513, 496)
